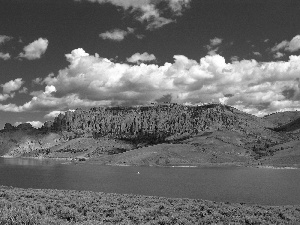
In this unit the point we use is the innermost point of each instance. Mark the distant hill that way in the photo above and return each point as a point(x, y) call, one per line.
point(163, 134)
point(282, 118)
point(290, 127)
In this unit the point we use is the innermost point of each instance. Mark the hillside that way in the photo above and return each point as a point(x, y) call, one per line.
point(293, 126)
point(282, 118)
point(164, 134)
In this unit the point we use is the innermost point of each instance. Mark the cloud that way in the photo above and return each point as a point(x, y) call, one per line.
point(213, 47)
point(294, 44)
point(126, 4)
point(4, 97)
point(35, 124)
point(49, 89)
point(257, 54)
point(150, 12)
point(216, 41)
point(145, 57)
point(90, 80)
point(178, 6)
point(290, 46)
point(35, 49)
point(24, 90)
point(281, 45)
point(116, 34)
point(12, 85)
point(278, 55)
point(4, 56)
point(53, 114)
point(4, 38)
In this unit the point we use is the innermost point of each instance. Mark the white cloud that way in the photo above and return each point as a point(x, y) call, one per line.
point(4, 56)
point(290, 46)
point(177, 6)
point(116, 34)
point(278, 55)
point(4, 38)
point(35, 124)
point(35, 49)
point(148, 12)
point(122, 3)
point(53, 114)
point(257, 54)
point(89, 80)
point(49, 89)
point(12, 85)
point(281, 45)
point(4, 97)
point(151, 15)
point(213, 47)
point(294, 44)
point(215, 41)
point(137, 57)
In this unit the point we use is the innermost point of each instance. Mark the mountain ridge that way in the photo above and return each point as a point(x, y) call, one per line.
point(218, 133)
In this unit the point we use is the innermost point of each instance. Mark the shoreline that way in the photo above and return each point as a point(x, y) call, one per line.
point(69, 160)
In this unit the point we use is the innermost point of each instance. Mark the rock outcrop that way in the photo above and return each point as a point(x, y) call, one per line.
point(212, 133)
point(158, 121)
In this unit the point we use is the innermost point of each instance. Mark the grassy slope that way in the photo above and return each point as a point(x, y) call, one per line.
point(32, 206)
point(210, 147)
point(281, 118)
point(286, 154)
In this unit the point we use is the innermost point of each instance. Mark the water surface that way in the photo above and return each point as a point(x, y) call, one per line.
point(226, 184)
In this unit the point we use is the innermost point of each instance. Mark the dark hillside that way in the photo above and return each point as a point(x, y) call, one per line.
point(282, 118)
point(160, 121)
point(290, 127)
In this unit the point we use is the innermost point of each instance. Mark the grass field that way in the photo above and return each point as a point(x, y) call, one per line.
point(34, 206)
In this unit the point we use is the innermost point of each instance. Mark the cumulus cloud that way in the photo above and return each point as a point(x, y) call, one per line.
point(35, 124)
point(116, 34)
point(149, 11)
point(290, 46)
point(90, 80)
point(35, 49)
point(12, 85)
point(145, 57)
point(4, 56)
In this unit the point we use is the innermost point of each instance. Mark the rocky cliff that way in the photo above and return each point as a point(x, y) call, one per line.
point(211, 133)
point(158, 121)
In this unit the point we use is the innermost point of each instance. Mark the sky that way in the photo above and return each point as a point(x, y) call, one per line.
point(59, 55)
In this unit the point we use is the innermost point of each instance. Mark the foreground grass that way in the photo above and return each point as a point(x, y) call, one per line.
point(34, 206)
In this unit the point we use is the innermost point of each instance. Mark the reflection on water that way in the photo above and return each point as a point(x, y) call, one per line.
point(232, 184)
point(27, 161)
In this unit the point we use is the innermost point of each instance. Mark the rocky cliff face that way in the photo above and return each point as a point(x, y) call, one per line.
point(112, 130)
point(158, 121)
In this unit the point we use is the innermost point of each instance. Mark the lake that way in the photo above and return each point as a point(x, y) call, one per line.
point(226, 184)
